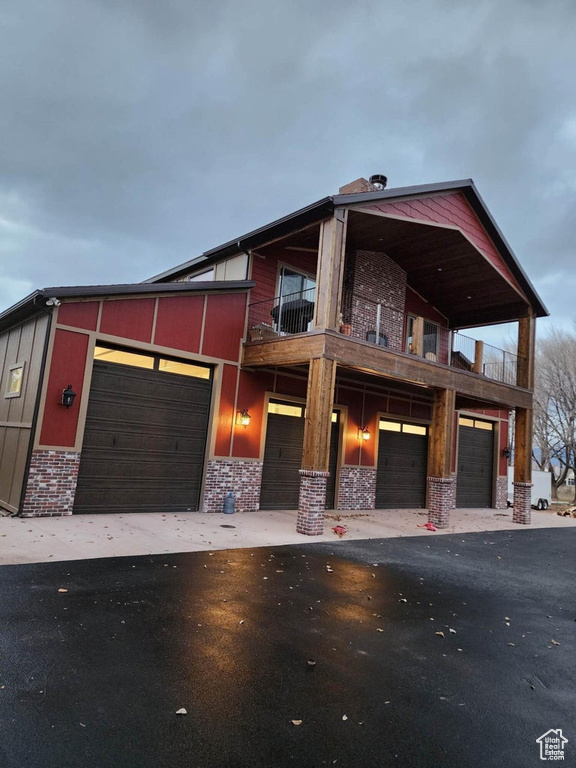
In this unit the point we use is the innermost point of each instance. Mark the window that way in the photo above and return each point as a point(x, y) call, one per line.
point(207, 276)
point(151, 362)
point(292, 282)
point(399, 426)
point(465, 421)
point(283, 409)
point(15, 380)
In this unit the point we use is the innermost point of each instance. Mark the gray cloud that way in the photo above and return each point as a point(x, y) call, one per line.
point(137, 134)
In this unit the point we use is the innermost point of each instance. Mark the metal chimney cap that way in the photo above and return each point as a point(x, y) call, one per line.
point(378, 180)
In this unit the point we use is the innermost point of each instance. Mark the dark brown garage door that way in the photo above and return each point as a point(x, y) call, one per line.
point(475, 463)
point(145, 438)
point(283, 457)
point(401, 471)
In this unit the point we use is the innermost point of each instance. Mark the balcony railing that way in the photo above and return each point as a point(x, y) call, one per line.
point(281, 316)
point(384, 326)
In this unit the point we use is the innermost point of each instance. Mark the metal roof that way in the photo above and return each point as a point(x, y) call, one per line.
point(325, 207)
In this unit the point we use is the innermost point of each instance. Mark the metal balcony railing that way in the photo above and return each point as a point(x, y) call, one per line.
point(281, 316)
point(384, 326)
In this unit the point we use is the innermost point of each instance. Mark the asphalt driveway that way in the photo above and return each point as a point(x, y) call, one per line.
point(312, 655)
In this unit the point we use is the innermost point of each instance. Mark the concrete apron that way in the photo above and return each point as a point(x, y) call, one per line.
point(79, 537)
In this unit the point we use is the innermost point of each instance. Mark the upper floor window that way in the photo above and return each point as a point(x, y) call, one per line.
point(292, 281)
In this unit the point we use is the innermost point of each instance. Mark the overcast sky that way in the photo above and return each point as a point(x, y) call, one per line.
point(136, 134)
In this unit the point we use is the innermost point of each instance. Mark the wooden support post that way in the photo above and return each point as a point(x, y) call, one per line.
point(440, 481)
point(523, 446)
point(526, 350)
point(318, 423)
point(330, 271)
point(478, 357)
point(522, 467)
point(418, 336)
point(441, 433)
point(317, 429)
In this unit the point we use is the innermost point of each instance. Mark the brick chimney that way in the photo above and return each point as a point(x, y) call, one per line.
point(360, 185)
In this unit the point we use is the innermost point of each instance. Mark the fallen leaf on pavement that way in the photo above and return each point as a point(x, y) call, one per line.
point(181, 711)
point(554, 642)
point(440, 634)
point(296, 722)
point(62, 590)
point(452, 630)
point(344, 717)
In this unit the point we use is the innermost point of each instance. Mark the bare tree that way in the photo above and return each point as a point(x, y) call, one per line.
point(555, 406)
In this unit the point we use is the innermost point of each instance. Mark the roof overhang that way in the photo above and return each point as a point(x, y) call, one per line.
point(443, 266)
point(37, 301)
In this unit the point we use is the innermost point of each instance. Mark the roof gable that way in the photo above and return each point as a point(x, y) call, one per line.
point(451, 209)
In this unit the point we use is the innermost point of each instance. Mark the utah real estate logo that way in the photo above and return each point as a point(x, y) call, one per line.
point(552, 744)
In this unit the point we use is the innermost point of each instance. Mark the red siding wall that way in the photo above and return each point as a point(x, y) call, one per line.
point(79, 315)
point(67, 367)
point(224, 325)
point(130, 318)
point(225, 415)
point(453, 209)
point(179, 322)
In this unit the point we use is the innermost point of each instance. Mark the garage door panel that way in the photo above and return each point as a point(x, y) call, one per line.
point(401, 471)
point(144, 441)
point(474, 486)
point(280, 487)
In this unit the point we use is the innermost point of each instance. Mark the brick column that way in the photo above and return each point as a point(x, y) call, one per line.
point(522, 511)
point(501, 492)
point(51, 484)
point(441, 491)
point(312, 503)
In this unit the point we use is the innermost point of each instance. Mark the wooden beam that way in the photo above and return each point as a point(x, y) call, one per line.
point(318, 422)
point(441, 433)
point(382, 361)
point(526, 348)
point(330, 270)
point(287, 350)
point(523, 446)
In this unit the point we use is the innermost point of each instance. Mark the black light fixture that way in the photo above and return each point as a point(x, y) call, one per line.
point(68, 396)
point(363, 433)
point(243, 418)
point(506, 452)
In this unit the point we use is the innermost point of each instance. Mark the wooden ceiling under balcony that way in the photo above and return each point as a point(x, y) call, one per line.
point(441, 263)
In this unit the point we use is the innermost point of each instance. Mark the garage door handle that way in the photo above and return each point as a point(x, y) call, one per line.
point(279, 453)
point(176, 444)
point(114, 442)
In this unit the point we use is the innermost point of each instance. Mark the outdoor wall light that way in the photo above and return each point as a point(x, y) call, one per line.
point(506, 452)
point(364, 433)
point(68, 396)
point(243, 418)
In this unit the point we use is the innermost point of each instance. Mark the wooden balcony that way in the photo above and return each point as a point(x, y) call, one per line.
point(474, 389)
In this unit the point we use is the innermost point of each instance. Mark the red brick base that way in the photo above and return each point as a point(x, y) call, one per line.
point(441, 499)
point(502, 492)
point(522, 511)
point(243, 478)
point(51, 484)
point(312, 503)
point(357, 488)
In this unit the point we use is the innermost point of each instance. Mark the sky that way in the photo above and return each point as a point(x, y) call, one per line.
point(136, 134)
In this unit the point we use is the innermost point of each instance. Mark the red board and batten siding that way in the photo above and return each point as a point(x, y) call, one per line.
point(79, 314)
point(450, 209)
point(179, 322)
point(178, 327)
point(68, 363)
